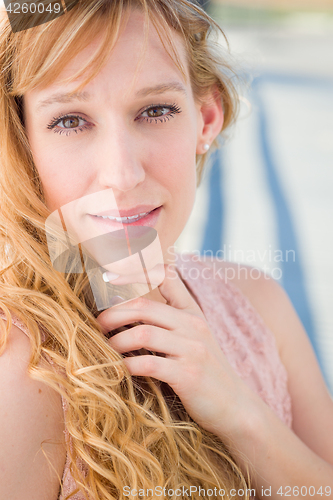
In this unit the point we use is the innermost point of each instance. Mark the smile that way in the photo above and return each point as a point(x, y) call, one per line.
point(125, 220)
point(148, 219)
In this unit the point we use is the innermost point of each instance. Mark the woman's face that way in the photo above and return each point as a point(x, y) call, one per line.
point(139, 138)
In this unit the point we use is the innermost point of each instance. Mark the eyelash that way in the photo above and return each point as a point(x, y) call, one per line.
point(67, 131)
point(161, 119)
point(172, 107)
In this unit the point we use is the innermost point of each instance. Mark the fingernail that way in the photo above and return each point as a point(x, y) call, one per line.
point(108, 276)
point(117, 299)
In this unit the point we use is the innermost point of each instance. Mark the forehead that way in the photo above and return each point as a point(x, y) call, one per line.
point(133, 60)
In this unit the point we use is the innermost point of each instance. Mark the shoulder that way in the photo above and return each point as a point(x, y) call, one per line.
point(31, 425)
point(312, 405)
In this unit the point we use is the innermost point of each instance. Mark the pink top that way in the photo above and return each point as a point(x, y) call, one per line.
point(248, 344)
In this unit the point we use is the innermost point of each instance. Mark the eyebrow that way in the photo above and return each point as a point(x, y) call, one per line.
point(63, 98)
point(85, 96)
point(161, 88)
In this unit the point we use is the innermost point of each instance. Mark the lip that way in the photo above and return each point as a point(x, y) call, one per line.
point(140, 209)
point(149, 220)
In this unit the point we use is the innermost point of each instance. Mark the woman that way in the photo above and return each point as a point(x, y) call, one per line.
point(185, 420)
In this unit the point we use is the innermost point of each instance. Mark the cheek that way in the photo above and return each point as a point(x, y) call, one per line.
point(179, 164)
point(178, 177)
point(60, 175)
point(174, 165)
point(55, 178)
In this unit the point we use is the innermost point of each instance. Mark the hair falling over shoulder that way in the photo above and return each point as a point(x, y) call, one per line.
point(127, 430)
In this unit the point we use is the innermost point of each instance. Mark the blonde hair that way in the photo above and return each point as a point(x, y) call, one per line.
point(127, 430)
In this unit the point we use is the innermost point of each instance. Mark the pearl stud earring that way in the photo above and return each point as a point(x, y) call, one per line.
point(206, 147)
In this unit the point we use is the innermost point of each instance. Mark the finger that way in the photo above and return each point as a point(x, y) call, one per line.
point(176, 293)
point(171, 286)
point(164, 369)
point(154, 276)
point(140, 309)
point(149, 337)
point(117, 299)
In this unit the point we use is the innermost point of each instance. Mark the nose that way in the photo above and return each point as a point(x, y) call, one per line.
point(119, 162)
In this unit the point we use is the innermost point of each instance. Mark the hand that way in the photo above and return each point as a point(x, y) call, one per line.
point(194, 364)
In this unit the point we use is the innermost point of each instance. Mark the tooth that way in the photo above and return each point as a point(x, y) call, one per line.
point(123, 219)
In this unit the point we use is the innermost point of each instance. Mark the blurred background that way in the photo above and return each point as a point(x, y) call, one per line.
point(266, 198)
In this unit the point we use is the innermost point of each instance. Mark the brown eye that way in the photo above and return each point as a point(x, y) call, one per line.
point(71, 122)
point(159, 113)
point(155, 112)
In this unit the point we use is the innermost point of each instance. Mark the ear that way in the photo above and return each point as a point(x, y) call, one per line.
point(210, 120)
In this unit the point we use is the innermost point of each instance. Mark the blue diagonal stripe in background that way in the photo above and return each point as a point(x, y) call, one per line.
point(214, 229)
point(293, 280)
